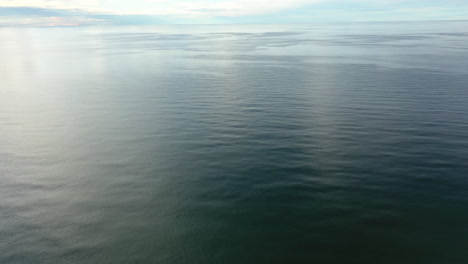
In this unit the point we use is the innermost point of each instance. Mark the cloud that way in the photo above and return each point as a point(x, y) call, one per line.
point(165, 7)
point(98, 12)
point(34, 16)
point(242, 7)
point(85, 12)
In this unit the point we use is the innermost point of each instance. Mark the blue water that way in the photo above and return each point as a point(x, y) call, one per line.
point(320, 143)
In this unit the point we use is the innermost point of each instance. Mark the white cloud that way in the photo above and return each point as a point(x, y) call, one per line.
point(166, 7)
point(194, 11)
point(50, 3)
point(241, 7)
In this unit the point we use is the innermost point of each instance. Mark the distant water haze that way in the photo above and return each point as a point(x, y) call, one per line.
point(319, 143)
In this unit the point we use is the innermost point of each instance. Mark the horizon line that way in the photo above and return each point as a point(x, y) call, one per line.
point(240, 23)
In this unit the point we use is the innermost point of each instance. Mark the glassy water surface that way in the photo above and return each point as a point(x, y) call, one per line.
point(320, 143)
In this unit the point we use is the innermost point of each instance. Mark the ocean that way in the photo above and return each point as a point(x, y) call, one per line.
point(316, 143)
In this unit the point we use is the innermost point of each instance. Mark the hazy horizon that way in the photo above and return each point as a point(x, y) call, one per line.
point(233, 24)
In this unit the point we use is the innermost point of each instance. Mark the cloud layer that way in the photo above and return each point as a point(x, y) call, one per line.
point(99, 12)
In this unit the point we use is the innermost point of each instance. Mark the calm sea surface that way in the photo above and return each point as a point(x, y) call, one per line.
point(320, 143)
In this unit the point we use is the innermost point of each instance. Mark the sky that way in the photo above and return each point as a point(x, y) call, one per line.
point(152, 12)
